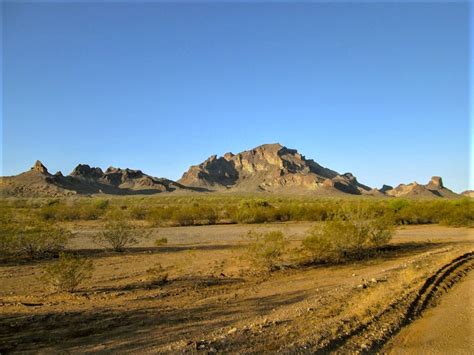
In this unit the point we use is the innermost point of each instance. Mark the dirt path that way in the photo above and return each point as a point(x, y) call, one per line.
point(447, 328)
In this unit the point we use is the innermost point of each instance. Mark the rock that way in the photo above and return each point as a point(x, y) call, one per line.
point(436, 181)
point(386, 188)
point(232, 331)
point(40, 168)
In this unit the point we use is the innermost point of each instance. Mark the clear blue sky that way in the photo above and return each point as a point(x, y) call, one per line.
point(377, 89)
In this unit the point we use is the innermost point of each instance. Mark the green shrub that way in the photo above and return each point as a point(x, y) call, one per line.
point(33, 240)
point(460, 213)
point(255, 211)
point(66, 274)
point(265, 250)
point(350, 235)
point(161, 241)
point(41, 240)
point(117, 235)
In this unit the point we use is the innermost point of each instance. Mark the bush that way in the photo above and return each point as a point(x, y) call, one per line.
point(266, 249)
point(157, 275)
point(350, 235)
point(161, 241)
point(66, 274)
point(33, 240)
point(255, 211)
point(460, 214)
point(117, 235)
point(41, 240)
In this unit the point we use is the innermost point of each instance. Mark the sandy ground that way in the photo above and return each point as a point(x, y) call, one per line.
point(446, 329)
point(214, 301)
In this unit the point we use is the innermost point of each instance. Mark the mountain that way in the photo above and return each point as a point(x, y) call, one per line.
point(84, 180)
point(434, 188)
point(270, 168)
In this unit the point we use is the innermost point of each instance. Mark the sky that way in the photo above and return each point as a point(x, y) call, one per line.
point(379, 89)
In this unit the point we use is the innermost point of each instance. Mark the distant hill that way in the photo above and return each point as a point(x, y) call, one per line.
point(270, 168)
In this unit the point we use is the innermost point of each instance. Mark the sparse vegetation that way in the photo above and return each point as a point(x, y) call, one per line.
point(161, 241)
point(265, 250)
point(157, 275)
point(218, 209)
point(67, 273)
point(117, 235)
point(349, 235)
point(32, 239)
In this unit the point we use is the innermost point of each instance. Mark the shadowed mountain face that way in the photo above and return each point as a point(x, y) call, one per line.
point(272, 168)
point(84, 180)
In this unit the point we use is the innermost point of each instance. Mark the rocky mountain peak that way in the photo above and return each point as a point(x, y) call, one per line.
point(268, 167)
point(39, 167)
point(84, 170)
point(436, 182)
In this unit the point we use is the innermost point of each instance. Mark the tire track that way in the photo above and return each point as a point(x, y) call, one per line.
point(371, 336)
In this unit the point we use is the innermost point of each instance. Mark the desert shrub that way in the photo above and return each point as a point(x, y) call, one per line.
point(66, 274)
point(265, 250)
point(138, 212)
point(255, 211)
point(157, 275)
point(350, 235)
point(56, 210)
point(32, 239)
point(159, 215)
point(41, 240)
point(161, 241)
point(116, 235)
point(459, 214)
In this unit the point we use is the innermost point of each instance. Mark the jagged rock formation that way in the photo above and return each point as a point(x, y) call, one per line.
point(272, 168)
point(434, 188)
point(84, 180)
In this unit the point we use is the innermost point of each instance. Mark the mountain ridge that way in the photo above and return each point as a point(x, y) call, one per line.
point(270, 168)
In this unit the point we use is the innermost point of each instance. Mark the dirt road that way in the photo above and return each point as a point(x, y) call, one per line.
point(446, 329)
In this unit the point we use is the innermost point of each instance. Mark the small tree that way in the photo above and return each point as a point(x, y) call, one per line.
point(266, 249)
point(66, 274)
point(117, 235)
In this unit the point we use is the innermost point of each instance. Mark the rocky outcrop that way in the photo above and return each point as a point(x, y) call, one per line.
point(386, 188)
point(271, 168)
point(39, 168)
point(85, 171)
point(434, 188)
